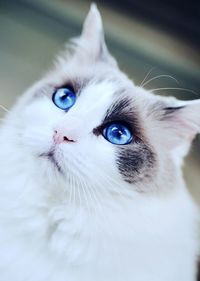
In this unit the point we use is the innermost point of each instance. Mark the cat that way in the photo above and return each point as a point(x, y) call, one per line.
point(91, 186)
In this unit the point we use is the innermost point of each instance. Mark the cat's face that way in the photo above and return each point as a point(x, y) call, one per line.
point(86, 124)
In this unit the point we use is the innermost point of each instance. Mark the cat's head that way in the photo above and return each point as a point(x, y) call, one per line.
point(86, 124)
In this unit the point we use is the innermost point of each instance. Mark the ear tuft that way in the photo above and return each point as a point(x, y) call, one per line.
point(92, 26)
point(91, 42)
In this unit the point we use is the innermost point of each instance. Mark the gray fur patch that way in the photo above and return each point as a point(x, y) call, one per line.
point(136, 162)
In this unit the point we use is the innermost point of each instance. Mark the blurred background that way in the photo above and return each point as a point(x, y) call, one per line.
point(156, 43)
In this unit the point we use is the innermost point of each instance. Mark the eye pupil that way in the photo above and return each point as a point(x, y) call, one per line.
point(64, 98)
point(118, 133)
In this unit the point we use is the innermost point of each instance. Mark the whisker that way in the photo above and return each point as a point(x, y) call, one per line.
point(80, 202)
point(77, 161)
point(70, 192)
point(4, 108)
point(91, 200)
point(94, 221)
point(147, 75)
point(85, 194)
point(106, 181)
point(160, 76)
point(73, 192)
point(179, 89)
point(88, 187)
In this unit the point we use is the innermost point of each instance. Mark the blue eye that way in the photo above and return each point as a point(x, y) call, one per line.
point(118, 133)
point(64, 98)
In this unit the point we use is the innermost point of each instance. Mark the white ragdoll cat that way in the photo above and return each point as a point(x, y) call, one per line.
point(91, 187)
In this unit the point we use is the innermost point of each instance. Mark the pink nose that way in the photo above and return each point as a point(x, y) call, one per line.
point(58, 138)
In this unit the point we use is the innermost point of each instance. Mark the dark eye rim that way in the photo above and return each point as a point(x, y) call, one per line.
point(65, 86)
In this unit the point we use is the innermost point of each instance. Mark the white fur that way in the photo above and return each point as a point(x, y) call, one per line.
point(91, 224)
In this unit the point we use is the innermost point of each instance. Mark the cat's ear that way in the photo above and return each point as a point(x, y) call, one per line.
point(92, 38)
point(181, 119)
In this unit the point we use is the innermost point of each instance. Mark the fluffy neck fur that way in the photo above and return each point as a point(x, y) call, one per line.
point(114, 238)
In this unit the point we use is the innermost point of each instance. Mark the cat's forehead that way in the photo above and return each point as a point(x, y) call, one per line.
point(97, 92)
point(91, 83)
point(102, 91)
point(81, 72)
point(94, 100)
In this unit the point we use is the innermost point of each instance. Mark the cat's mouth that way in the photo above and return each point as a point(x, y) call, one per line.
point(52, 159)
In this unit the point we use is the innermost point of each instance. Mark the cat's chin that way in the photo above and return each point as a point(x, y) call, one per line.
point(51, 158)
